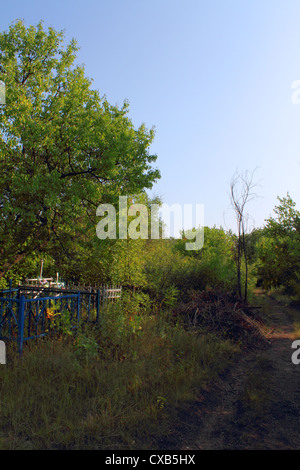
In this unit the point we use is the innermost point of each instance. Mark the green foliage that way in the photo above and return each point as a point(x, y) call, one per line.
point(252, 240)
point(86, 346)
point(62, 323)
point(63, 148)
point(127, 263)
point(171, 297)
point(214, 263)
point(166, 269)
point(135, 302)
point(279, 248)
point(125, 387)
point(217, 256)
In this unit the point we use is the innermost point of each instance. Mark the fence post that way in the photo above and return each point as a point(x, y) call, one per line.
point(21, 323)
point(78, 306)
point(89, 303)
point(10, 293)
point(104, 298)
point(98, 304)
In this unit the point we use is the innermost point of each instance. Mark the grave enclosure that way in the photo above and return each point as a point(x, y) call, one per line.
point(28, 311)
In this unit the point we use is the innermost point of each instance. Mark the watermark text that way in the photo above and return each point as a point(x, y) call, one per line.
point(139, 221)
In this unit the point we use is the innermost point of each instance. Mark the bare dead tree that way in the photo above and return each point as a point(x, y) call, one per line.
point(241, 192)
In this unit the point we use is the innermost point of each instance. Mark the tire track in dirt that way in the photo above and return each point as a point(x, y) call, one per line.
point(256, 404)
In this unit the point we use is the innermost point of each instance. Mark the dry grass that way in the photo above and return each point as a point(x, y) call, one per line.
point(225, 314)
point(117, 386)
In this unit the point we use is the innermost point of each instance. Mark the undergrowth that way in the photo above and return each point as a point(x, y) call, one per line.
point(116, 385)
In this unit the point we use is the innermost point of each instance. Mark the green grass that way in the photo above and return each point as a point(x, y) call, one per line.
point(117, 386)
point(285, 302)
point(254, 398)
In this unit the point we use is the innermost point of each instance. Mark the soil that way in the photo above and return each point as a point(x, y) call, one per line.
point(255, 405)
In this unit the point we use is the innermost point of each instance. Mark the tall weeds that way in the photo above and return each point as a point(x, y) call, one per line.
point(114, 386)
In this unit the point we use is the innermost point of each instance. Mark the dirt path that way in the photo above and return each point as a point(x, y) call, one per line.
point(256, 405)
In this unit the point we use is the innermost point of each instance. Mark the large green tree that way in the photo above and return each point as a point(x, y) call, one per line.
point(63, 148)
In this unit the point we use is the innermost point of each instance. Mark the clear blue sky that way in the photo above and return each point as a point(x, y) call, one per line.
point(213, 77)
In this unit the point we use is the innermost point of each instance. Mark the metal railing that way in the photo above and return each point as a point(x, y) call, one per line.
point(29, 314)
point(23, 319)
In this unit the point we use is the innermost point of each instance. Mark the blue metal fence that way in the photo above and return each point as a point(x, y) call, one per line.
point(8, 292)
point(27, 312)
point(23, 319)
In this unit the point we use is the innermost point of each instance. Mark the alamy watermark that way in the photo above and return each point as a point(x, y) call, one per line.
point(2, 92)
point(138, 221)
point(2, 353)
point(296, 354)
